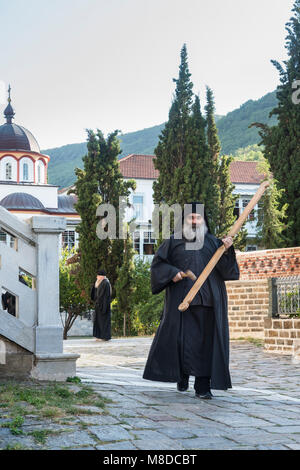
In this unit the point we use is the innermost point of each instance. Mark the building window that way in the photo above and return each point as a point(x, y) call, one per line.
point(39, 174)
point(136, 241)
point(25, 172)
point(251, 216)
point(9, 302)
point(68, 239)
point(149, 242)
point(236, 210)
point(138, 207)
point(251, 248)
point(8, 171)
point(8, 239)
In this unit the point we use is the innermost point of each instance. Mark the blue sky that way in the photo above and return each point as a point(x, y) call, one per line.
point(109, 64)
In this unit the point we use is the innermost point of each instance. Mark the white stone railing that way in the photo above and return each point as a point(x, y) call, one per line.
point(32, 247)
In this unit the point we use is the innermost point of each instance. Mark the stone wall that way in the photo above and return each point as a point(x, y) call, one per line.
point(282, 335)
point(81, 327)
point(269, 263)
point(248, 306)
point(15, 361)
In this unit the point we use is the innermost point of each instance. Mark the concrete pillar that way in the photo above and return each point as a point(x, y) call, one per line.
point(49, 327)
point(50, 362)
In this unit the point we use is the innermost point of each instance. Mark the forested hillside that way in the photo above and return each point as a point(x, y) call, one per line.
point(233, 132)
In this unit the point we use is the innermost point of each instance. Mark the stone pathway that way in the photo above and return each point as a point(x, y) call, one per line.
point(261, 411)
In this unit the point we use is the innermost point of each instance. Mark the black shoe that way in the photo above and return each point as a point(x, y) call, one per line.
point(183, 385)
point(204, 395)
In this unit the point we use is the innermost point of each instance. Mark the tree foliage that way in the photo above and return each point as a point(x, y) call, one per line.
point(271, 221)
point(282, 141)
point(72, 302)
point(188, 157)
point(99, 182)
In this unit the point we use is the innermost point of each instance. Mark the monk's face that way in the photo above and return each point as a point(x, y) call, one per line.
point(195, 220)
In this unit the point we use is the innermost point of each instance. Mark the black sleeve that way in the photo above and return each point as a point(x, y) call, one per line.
point(93, 293)
point(227, 265)
point(162, 272)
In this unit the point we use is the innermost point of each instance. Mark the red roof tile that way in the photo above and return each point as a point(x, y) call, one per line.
point(245, 172)
point(141, 166)
point(138, 166)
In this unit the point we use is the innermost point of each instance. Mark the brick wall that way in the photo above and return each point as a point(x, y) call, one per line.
point(282, 335)
point(248, 306)
point(269, 263)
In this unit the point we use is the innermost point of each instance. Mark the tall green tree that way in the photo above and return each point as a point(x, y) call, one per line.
point(88, 198)
point(213, 140)
point(222, 199)
point(186, 171)
point(271, 222)
point(282, 142)
point(100, 181)
point(172, 149)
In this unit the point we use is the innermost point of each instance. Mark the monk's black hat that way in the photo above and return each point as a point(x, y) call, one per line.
point(101, 272)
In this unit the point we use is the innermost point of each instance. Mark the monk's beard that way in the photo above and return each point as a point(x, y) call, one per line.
point(195, 235)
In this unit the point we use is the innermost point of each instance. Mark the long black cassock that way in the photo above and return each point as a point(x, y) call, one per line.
point(177, 334)
point(102, 321)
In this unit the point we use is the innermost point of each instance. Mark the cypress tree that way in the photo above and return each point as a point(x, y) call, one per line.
point(270, 222)
point(213, 202)
point(99, 182)
point(282, 142)
point(222, 199)
point(172, 149)
point(213, 140)
point(86, 190)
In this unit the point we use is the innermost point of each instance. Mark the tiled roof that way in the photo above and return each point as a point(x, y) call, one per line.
point(141, 166)
point(138, 166)
point(244, 172)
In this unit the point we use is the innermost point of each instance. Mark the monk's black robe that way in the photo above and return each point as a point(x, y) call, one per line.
point(102, 320)
point(172, 352)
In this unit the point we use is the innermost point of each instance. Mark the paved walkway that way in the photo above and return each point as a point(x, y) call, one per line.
point(261, 411)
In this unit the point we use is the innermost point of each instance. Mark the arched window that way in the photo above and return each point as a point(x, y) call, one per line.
point(8, 171)
point(25, 172)
point(39, 174)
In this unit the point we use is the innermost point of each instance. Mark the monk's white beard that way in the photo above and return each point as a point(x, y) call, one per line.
point(200, 231)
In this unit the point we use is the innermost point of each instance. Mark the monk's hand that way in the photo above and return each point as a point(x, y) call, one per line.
point(227, 241)
point(178, 276)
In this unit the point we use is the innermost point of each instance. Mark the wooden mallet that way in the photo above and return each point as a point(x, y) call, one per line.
point(215, 258)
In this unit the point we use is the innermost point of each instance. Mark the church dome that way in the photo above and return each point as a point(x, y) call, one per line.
point(21, 201)
point(66, 203)
point(15, 137)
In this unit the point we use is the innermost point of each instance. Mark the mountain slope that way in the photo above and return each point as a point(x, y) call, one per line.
point(233, 132)
point(233, 128)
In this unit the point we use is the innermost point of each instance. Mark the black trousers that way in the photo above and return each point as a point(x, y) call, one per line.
point(198, 325)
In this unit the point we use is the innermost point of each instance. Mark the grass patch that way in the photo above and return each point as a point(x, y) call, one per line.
point(74, 380)
point(40, 436)
point(16, 446)
point(256, 341)
point(50, 400)
point(15, 425)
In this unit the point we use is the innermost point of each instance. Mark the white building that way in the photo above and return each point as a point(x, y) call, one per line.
point(243, 175)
